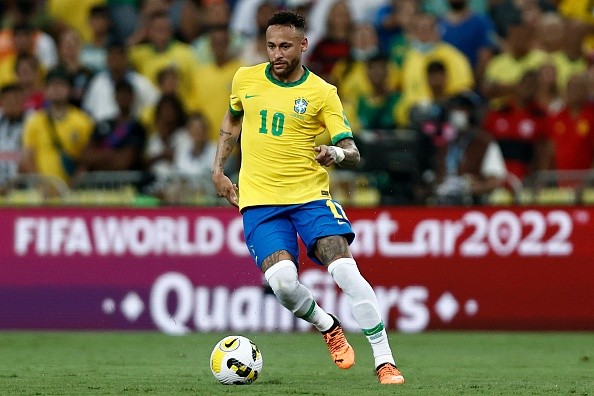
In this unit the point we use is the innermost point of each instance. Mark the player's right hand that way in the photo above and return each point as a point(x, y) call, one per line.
point(225, 188)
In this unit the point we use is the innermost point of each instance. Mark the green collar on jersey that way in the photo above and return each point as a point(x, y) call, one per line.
point(282, 84)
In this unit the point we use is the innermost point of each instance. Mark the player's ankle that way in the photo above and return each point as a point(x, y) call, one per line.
point(335, 324)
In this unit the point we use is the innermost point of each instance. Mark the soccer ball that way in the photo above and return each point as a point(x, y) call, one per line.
point(236, 360)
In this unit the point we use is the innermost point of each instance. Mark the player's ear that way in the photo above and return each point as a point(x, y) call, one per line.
point(304, 44)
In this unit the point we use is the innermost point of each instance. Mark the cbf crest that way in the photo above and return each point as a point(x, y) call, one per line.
point(300, 106)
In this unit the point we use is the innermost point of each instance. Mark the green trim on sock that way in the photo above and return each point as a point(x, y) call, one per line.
point(309, 311)
point(375, 330)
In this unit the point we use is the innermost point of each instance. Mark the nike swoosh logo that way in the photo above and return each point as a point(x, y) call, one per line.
point(250, 96)
point(341, 222)
point(228, 344)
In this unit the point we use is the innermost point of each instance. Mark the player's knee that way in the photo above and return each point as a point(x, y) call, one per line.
point(346, 274)
point(343, 267)
point(282, 277)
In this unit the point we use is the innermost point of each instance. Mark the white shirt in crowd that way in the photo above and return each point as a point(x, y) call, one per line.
point(99, 100)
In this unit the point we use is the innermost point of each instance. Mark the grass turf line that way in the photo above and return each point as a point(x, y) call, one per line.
point(434, 363)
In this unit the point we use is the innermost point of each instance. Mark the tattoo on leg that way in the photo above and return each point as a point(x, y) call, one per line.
point(332, 248)
point(275, 258)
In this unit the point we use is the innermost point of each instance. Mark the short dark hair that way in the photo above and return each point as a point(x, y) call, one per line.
point(436, 66)
point(124, 85)
point(379, 56)
point(10, 88)
point(25, 28)
point(165, 71)
point(26, 58)
point(287, 18)
point(57, 74)
point(99, 10)
point(158, 14)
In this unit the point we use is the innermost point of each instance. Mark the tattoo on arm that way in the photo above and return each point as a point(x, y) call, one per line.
point(351, 153)
point(225, 147)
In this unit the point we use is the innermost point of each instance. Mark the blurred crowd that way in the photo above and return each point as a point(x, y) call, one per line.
point(494, 91)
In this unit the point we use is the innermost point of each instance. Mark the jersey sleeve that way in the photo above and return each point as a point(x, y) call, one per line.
point(335, 118)
point(235, 104)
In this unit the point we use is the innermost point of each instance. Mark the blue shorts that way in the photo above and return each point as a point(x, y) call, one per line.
point(268, 229)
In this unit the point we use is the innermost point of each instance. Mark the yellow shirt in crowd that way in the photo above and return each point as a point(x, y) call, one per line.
point(75, 13)
point(149, 62)
point(415, 86)
point(212, 86)
point(73, 130)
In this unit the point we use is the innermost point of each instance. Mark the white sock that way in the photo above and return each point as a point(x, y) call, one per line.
point(282, 278)
point(364, 306)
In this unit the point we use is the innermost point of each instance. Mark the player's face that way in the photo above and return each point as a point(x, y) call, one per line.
point(285, 45)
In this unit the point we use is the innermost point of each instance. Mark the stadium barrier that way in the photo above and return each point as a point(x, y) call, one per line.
point(181, 270)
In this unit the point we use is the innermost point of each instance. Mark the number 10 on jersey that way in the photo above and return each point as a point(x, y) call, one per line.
point(276, 127)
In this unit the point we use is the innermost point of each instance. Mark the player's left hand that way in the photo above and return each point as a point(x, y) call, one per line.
point(324, 156)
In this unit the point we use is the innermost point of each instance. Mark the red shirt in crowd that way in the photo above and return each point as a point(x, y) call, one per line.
point(516, 129)
point(573, 138)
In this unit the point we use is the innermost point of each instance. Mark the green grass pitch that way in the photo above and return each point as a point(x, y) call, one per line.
point(434, 363)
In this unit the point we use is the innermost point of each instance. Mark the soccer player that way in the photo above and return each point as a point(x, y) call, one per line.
point(280, 107)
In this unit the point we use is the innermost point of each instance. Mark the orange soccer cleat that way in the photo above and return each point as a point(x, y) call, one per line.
point(340, 349)
point(387, 373)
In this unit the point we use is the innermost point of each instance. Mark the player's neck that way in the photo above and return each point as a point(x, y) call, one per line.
point(291, 78)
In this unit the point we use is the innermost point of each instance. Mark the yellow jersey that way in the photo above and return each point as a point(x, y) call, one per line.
point(280, 124)
point(149, 62)
point(73, 130)
point(212, 85)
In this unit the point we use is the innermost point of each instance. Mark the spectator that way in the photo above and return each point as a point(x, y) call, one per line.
point(548, 92)
point(217, 18)
point(213, 80)
point(562, 40)
point(21, 18)
point(472, 33)
point(350, 74)
point(191, 23)
point(505, 69)
point(79, 75)
point(580, 11)
point(571, 130)
point(11, 129)
point(23, 38)
point(196, 153)
point(519, 127)
point(441, 7)
point(243, 19)
point(30, 79)
point(378, 109)
point(168, 80)
point(55, 137)
point(425, 48)
point(100, 101)
point(163, 143)
point(506, 13)
point(427, 116)
point(254, 48)
point(125, 18)
point(392, 22)
point(163, 50)
point(116, 144)
point(437, 79)
point(335, 45)
point(470, 165)
point(94, 53)
point(73, 14)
